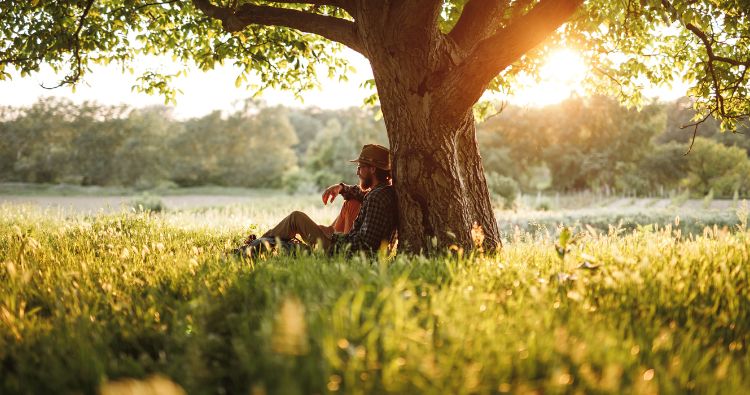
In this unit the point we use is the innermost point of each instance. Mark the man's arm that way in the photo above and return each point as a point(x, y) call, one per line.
point(349, 192)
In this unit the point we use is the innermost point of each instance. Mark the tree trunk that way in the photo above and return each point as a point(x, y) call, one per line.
point(439, 180)
point(437, 169)
point(437, 172)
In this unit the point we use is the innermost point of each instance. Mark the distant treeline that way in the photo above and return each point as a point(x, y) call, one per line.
point(582, 143)
point(596, 144)
point(56, 141)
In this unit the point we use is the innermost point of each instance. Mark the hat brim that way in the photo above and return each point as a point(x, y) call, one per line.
point(369, 163)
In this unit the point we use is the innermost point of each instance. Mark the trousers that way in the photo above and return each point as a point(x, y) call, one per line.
point(319, 236)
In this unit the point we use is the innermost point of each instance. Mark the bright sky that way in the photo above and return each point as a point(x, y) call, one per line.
point(204, 92)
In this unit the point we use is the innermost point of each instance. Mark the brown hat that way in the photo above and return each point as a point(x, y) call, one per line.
point(374, 155)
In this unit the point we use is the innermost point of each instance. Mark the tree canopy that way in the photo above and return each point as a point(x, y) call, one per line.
point(626, 44)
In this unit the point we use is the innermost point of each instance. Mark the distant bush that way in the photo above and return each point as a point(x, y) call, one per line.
point(665, 165)
point(543, 206)
point(299, 180)
point(503, 187)
point(680, 199)
point(148, 203)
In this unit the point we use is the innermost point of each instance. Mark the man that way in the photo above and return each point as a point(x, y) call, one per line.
point(375, 223)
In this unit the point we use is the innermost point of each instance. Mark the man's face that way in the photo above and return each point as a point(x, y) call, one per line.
point(366, 176)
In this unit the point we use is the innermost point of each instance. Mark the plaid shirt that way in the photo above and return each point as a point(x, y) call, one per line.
point(376, 222)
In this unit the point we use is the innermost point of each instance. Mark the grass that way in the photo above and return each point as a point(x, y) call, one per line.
point(134, 301)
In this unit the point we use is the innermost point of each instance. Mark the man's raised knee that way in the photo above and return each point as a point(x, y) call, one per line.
point(296, 216)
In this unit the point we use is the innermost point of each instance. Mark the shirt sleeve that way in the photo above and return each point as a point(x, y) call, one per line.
point(349, 192)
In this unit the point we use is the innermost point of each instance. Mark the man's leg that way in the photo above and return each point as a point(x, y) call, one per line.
point(298, 223)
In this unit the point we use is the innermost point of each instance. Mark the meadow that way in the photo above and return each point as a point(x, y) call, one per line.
point(140, 302)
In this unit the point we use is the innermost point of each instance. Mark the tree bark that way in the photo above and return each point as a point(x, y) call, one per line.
point(437, 169)
point(439, 181)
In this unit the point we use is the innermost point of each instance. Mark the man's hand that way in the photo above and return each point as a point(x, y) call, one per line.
point(330, 193)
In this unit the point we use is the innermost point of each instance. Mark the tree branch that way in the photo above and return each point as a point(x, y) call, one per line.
point(346, 5)
point(78, 68)
point(334, 29)
point(464, 85)
point(479, 20)
point(695, 130)
point(711, 69)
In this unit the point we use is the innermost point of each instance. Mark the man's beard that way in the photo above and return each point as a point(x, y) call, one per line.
point(365, 183)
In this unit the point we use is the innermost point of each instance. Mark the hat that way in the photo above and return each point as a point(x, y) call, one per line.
point(374, 155)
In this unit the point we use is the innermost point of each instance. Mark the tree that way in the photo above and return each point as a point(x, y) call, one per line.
point(137, 160)
point(431, 59)
point(250, 148)
point(39, 142)
point(54, 140)
point(99, 132)
point(340, 140)
point(306, 126)
point(663, 166)
point(259, 150)
point(590, 142)
point(681, 113)
point(713, 166)
point(198, 149)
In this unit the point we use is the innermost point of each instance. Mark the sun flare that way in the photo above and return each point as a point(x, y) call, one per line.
point(562, 74)
point(564, 65)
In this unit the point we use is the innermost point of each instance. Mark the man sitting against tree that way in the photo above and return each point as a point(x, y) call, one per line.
point(376, 220)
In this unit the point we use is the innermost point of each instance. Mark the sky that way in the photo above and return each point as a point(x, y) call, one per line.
point(204, 92)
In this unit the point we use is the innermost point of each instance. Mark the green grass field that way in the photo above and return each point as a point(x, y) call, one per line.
point(139, 303)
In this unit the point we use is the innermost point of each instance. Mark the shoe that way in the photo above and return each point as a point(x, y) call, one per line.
point(253, 246)
point(251, 238)
point(244, 250)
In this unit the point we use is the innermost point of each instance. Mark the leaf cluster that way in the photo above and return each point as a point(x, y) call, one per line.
point(633, 44)
point(71, 37)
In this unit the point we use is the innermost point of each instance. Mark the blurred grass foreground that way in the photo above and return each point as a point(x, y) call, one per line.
point(149, 303)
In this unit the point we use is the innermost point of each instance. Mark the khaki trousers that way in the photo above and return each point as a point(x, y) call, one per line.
point(298, 223)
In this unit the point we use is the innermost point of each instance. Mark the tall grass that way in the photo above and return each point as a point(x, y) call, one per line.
point(86, 302)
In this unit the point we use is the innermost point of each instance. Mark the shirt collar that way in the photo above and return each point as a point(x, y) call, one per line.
point(380, 186)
